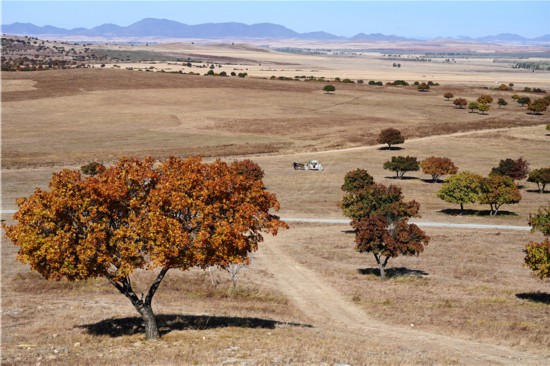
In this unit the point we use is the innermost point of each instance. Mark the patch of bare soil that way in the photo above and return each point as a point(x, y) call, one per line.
point(56, 83)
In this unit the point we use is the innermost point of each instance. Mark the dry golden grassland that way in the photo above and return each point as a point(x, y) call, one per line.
point(468, 296)
point(467, 283)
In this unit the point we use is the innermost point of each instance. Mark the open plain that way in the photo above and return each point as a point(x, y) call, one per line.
point(308, 297)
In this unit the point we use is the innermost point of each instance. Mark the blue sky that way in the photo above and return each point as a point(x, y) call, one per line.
point(343, 18)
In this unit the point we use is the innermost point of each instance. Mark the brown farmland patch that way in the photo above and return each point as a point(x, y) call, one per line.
point(75, 116)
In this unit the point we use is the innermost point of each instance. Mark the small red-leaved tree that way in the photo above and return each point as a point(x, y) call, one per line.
point(390, 136)
point(460, 103)
point(386, 239)
point(136, 215)
point(438, 166)
point(380, 219)
point(515, 169)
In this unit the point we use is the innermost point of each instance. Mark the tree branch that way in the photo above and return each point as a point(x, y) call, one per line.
point(125, 288)
point(155, 286)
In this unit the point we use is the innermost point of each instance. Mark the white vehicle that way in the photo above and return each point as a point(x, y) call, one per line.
point(310, 165)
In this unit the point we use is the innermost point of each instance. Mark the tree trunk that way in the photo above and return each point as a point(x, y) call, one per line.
point(381, 265)
point(382, 271)
point(149, 321)
point(495, 209)
point(461, 208)
point(143, 306)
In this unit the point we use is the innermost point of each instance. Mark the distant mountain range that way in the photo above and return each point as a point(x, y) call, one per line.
point(164, 28)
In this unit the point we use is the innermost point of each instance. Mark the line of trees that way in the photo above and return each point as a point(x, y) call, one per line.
point(483, 103)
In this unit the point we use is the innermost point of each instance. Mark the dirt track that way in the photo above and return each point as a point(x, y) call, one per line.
point(327, 308)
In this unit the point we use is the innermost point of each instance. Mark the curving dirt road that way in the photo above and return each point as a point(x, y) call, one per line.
point(328, 309)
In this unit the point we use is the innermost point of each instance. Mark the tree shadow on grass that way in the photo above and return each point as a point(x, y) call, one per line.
point(457, 212)
point(402, 178)
point(542, 297)
point(169, 322)
point(393, 148)
point(393, 272)
point(429, 180)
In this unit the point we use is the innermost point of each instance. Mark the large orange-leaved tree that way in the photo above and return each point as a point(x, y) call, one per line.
point(142, 214)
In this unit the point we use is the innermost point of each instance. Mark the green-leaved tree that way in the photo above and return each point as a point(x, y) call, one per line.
point(541, 177)
point(461, 188)
point(401, 165)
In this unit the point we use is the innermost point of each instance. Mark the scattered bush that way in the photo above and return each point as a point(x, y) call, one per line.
point(485, 99)
point(92, 168)
point(390, 136)
point(423, 87)
point(523, 100)
point(538, 106)
point(329, 88)
point(460, 102)
point(400, 83)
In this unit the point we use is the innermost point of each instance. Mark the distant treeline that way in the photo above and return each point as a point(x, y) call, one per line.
point(532, 66)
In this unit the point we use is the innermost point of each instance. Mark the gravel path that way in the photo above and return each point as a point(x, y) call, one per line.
point(419, 223)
